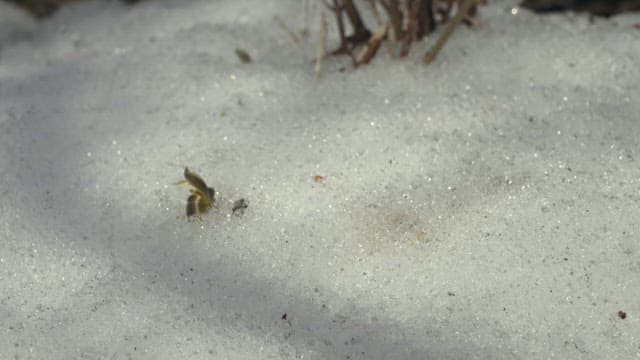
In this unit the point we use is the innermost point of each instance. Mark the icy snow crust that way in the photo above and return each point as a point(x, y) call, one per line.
point(483, 207)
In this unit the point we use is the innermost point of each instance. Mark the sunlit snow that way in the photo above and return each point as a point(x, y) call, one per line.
point(483, 207)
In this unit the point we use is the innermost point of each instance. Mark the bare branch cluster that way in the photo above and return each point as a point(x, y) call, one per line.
point(407, 20)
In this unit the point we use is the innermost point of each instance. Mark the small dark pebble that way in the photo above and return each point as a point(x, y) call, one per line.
point(239, 205)
point(622, 315)
point(243, 56)
point(284, 316)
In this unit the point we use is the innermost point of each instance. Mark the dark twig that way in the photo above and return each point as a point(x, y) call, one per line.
point(286, 29)
point(360, 32)
point(337, 12)
point(426, 22)
point(462, 11)
point(372, 46)
point(410, 34)
point(392, 7)
point(320, 47)
point(376, 15)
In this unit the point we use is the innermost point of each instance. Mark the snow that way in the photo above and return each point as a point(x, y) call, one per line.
point(482, 207)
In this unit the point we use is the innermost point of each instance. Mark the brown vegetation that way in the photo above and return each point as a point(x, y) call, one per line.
point(408, 20)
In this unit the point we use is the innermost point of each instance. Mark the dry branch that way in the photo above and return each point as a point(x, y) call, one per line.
point(360, 32)
point(372, 46)
point(410, 21)
point(337, 9)
point(286, 29)
point(462, 11)
point(320, 46)
point(376, 15)
point(392, 7)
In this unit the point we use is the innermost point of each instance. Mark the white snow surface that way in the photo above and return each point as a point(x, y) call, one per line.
point(483, 207)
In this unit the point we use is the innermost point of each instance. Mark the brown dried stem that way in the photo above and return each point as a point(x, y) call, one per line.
point(320, 46)
point(372, 45)
point(421, 23)
point(426, 23)
point(337, 12)
point(286, 29)
point(462, 11)
point(376, 15)
point(392, 7)
point(360, 32)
